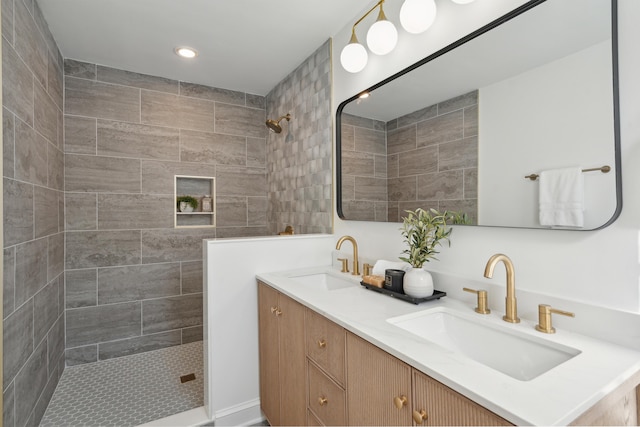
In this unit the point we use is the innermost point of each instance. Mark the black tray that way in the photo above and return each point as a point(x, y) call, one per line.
point(405, 297)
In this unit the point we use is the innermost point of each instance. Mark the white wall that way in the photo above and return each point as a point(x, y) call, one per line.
point(232, 384)
point(557, 115)
point(599, 267)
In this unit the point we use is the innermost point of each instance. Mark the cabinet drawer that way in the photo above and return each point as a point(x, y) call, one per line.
point(326, 345)
point(326, 399)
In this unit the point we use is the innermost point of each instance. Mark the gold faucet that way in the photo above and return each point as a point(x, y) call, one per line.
point(356, 270)
point(511, 311)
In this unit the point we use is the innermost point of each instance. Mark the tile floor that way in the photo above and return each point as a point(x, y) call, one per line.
point(128, 391)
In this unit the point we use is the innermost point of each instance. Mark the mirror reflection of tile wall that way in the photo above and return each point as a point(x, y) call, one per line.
point(427, 158)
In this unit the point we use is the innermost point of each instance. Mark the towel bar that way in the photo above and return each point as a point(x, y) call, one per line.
point(603, 169)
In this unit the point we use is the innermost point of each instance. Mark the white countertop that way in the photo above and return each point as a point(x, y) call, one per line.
point(556, 397)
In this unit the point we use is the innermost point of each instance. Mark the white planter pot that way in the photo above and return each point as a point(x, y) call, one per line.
point(185, 207)
point(418, 283)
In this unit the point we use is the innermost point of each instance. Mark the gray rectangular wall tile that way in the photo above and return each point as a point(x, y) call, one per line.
point(80, 135)
point(173, 245)
point(177, 111)
point(81, 355)
point(84, 70)
point(101, 100)
point(142, 81)
point(136, 345)
point(257, 210)
point(46, 211)
point(458, 154)
point(129, 211)
point(55, 343)
point(164, 314)
point(92, 325)
point(205, 147)
point(45, 115)
point(373, 189)
point(420, 161)
point(8, 280)
point(444, 128)
point(137, 282)
point(192, 334)
point(256, 152)
point(30, 382)
point(18, 212)
point(17, 341)
point(121, 139)
point(45, 310)
point(356, 163)
point(81, 288)
point(55, 163)
point(238, 181)
point(8, 408)
point(231, 211)
point(86, 249)
point(402, 139)
point(30, 155)
point(212, 93)
point(81, 212)
point(192, 280)
point(17, 84)
point(370, 141)
point(8, 147)
point(31, 269)
point(55, 256)
point(29, 42)
point(237, 120)
point(158, 176)
point(101, 174)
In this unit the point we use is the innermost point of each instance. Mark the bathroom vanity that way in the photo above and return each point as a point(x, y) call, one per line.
point(334, 353)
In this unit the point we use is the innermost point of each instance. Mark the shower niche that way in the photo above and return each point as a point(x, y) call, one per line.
point(195, 201)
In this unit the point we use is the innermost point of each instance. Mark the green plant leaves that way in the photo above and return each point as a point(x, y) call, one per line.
point(423, 231)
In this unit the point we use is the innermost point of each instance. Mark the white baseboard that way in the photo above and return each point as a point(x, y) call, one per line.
point(243, 414)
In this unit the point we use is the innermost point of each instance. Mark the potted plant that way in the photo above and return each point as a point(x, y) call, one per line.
point(186, 203)
point(423, 232)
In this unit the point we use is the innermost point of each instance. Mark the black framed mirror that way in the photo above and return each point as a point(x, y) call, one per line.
point(461, 130)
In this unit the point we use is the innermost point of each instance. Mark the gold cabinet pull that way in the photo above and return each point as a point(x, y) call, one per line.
point(400, 401)
point(322, 343)
point(420, 417)
point(322, 400)
point(482, 300)
point(544, 318)
point(276, 311)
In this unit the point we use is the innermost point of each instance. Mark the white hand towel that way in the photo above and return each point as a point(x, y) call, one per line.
point(562, 198)
point(381, 265)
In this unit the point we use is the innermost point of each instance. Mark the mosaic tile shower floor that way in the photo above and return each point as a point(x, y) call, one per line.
point(130, 390)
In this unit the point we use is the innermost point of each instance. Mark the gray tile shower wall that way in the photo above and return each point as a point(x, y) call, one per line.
point(427, 158)
point(300, 158)
point(134, 282)
point(33, 169)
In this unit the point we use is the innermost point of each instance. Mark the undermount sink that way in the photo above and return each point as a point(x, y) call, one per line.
point(520, 356)
point(324, 281)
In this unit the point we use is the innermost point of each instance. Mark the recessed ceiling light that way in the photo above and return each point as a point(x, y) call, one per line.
point(186, 52)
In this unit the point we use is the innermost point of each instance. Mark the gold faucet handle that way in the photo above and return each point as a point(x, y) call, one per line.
point(366, 269)
point(482, 307)
point(544, 318)
point(345, 265)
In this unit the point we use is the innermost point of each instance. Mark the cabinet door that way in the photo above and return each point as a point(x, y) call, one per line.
point(435, 404)
point(269, 353)
point(292, 362)
point(376, 381)
point(326, 345)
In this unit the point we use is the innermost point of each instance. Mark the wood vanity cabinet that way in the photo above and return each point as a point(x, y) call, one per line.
point(282, 357)
point(326, 377)
point(378, 386)
point(435, 404)
point(383, 390)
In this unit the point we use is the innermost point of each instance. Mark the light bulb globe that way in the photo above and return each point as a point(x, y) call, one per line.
point(354, 57)
point(463, 1)
point(416, 16)
point(382, 37)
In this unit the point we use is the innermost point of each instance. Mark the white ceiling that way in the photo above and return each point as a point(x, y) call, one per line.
point(244, 45)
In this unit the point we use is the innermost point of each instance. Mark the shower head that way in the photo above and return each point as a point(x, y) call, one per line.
point(274, 125)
